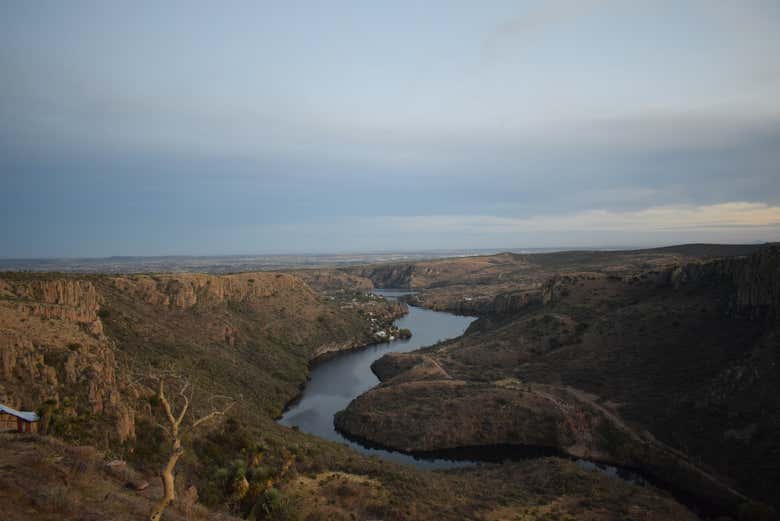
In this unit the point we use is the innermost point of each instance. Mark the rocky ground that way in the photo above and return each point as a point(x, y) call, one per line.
point(44, 478)
point(47, 479)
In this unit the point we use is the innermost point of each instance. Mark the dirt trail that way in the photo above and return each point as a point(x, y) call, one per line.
point(646, 438)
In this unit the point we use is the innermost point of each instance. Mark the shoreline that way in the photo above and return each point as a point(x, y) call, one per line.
point(326, 356)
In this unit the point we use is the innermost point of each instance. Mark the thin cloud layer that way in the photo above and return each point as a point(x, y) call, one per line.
point(724, 216)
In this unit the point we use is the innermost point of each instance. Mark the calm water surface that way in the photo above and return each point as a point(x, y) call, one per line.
point(337, 381)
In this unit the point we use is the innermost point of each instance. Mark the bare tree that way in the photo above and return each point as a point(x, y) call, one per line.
point(176, 428)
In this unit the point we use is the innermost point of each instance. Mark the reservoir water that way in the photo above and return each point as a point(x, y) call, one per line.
point(337, 381)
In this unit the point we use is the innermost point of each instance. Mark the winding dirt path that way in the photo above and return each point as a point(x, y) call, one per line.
point(646, 438)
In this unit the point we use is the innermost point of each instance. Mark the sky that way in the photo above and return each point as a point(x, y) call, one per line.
point(209, 128)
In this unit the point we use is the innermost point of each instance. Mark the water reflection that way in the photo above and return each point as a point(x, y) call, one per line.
point(337, 381)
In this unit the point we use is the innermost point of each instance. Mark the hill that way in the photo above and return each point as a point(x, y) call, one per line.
point(74, 346)
point(650, 360)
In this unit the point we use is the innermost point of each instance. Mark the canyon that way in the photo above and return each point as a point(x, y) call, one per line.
point(663, 361)
point(670, 368)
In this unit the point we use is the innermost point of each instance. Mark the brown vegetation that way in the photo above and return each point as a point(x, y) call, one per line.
point(601, 352)
point(670, 369)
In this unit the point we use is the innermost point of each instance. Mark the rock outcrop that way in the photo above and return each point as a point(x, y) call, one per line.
point(505, 303)
point(62, 337)
point(187, 290)
point(401, 276)
point(332, 280)
point(54, 350)
point(556, 288)
point(749, 285)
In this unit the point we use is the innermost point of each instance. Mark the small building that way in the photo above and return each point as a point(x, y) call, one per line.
point(17, 421)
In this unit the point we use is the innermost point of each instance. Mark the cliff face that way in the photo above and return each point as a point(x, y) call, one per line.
point(747, 286)
point(187, 290)
point(757, 280)
point(71, 300)
point(229, 310)
point(54, 349)
point(555, 288)
point(751, 285)
point(504, 303)
point(61, 338)
point(330, 280)
point(401, 276)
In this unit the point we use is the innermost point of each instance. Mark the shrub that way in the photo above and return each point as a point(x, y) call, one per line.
point(274, 506)
point(57, 499)
point(344, 490)
point(150, 446)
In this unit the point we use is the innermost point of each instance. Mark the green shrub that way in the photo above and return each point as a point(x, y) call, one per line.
point(274, 506)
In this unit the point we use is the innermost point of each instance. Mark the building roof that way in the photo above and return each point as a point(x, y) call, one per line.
point(27, 416)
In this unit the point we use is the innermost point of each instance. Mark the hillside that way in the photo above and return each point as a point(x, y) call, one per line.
point(44, 478)
point(74, 346)
point(642, 361)
point(495, 284)
point(75, 340)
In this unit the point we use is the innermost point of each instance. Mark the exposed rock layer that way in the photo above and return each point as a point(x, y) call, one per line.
point(61, 337)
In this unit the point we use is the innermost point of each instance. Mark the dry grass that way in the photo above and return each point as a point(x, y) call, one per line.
point(45, 479)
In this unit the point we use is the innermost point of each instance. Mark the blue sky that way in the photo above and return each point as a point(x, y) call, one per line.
point(257, 127)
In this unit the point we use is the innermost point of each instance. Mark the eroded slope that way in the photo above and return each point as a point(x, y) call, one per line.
point(672, 370)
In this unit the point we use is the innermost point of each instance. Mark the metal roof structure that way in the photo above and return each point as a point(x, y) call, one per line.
point(27, 416)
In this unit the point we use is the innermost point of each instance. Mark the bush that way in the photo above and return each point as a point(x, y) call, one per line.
point(274, 506)
point(344, 490)
point(150, 449)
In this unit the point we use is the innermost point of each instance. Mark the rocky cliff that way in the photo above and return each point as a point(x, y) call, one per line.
point(331, 280)
point(503, 303)
point(749, 285)
point(69, 344)
point(187, 290)
point(400, 276)
point(54, 351)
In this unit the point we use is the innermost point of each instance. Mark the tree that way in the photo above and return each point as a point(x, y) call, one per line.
point(175, 428)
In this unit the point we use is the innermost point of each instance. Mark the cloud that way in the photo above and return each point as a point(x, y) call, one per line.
point(724, 216)
point(732, 222)
point(522, 29)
